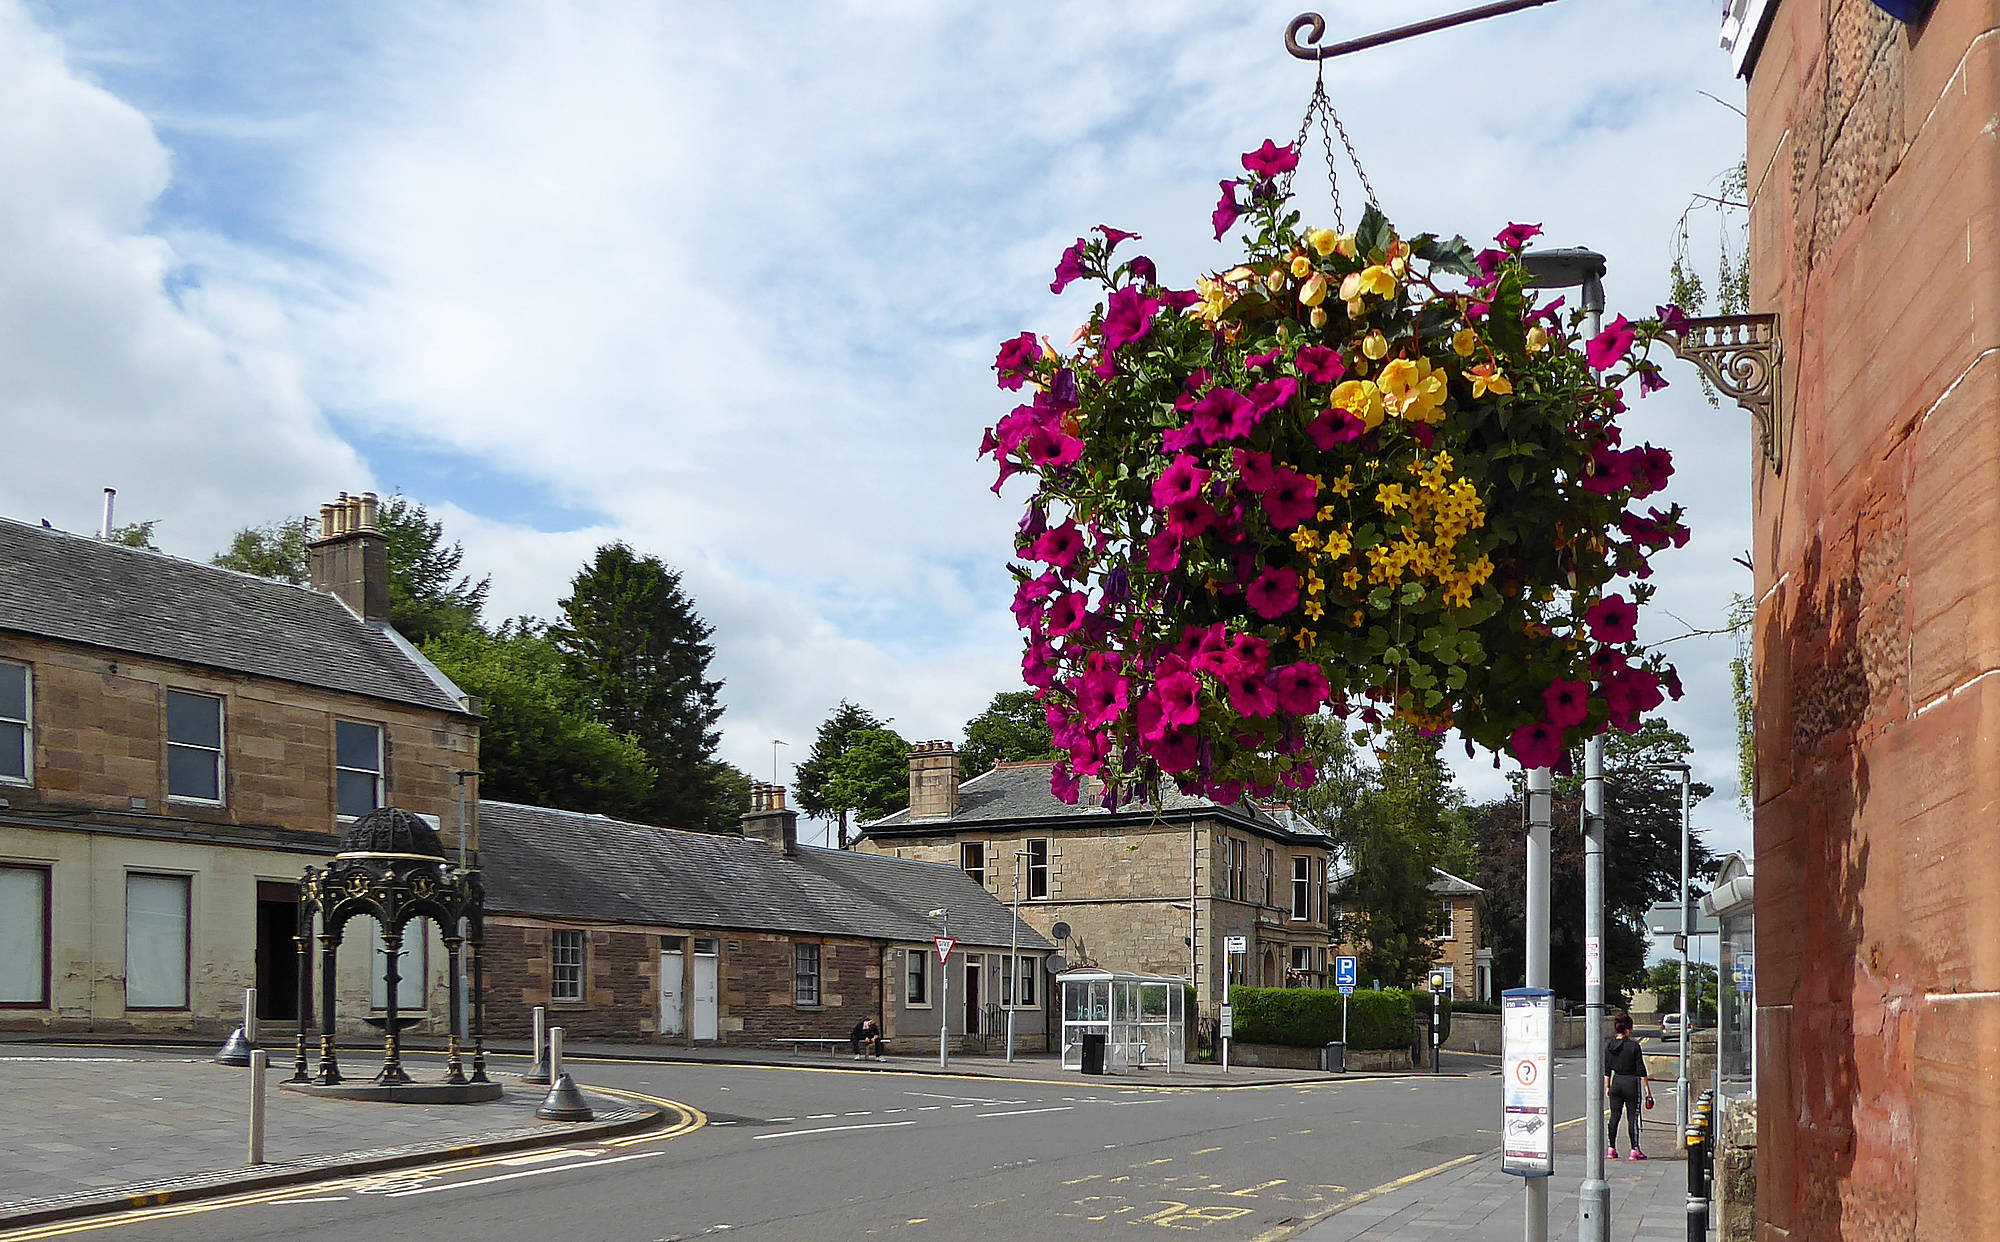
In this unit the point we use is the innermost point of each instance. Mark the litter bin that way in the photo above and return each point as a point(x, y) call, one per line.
point(1093, 1052)
point(1333, 1057)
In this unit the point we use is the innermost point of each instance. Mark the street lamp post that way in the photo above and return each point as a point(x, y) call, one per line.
point(944, 995)
point(1687, 934)
point(1585, 269)
point(1012, 992)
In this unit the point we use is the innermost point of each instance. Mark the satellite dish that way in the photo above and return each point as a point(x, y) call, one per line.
point(1060, 931)
point(1055, 963)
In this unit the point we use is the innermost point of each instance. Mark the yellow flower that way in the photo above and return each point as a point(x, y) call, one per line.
point(1318, 317)
point(1342, 485)
point(1322, 241)
point(1352, 578)
point(1375, 345)
point(1391, 497)
point(1362, 399)
point(1487, 378)
point(1313, 292)
point(1301, 266)
point(1276, 280)
point(1350, 288)
point(1314, 610)
point(1306, 638)
point(1235, 274)
point(1378, 280)
point(1464, 341)
point(1414, 390)
point(1538, 339)
point(1340, 542)
point(1345, 245)
point(1305, 539)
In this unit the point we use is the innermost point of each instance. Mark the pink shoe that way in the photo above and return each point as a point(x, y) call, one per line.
point(1611, 1153)
point(1637, 1154)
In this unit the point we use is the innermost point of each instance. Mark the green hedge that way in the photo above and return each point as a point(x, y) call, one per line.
point(1310, 1017)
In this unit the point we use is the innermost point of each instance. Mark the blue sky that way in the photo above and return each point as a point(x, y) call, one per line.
point(727, 284)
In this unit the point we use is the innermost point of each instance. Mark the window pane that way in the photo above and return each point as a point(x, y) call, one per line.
point(14, 750)
point(194, 719)
point(23, 943)
point(13, 692)
point(156, 941)
point(357, 746)
point(192, 773)
point(357, 792)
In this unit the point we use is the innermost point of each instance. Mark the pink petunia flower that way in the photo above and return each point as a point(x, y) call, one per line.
point(1274, 593)
point(1017, 357)
point(1183, 479)
point(1537, 745)
point(1320, 364)
point(1253, 467)
point(1251, 695)
point(1335, 427)
point(1568, 703)
point(1302, 688)
point(1270, 160)
point(1128, 316)
point(1291, 499)
point(1179, 697)
point(1070, 268)
point(1613, 620)
point(1609, 347)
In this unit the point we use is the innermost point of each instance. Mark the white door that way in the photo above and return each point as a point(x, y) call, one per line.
point(704, 989)
point(672, 1014)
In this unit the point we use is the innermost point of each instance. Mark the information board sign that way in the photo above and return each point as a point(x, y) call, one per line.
point(1527, 1085)
point(1228, 1022)
point(1235, 944)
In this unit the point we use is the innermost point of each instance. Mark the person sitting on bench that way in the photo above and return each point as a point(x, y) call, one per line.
point(866, 1032)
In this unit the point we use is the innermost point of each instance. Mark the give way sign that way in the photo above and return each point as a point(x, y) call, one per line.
point(944, 946)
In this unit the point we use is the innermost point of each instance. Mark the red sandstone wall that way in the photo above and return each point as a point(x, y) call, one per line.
point(1874, 160)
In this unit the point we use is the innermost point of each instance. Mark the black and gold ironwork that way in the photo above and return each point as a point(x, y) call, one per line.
point(392, 868)
point(1742, 356)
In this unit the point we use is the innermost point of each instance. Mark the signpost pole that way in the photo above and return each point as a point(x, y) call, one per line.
point(1541, 795)
point(1593, 1204)
point(1232, 946)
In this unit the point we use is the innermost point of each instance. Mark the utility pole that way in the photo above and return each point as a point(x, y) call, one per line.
point(1012, 992)
point(1594, 1196)
point(1541, 797)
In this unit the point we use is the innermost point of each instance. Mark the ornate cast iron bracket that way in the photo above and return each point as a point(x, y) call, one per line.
point(1741, 355)
point(1314, 27)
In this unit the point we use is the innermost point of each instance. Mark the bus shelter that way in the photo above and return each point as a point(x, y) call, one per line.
point(1140, 1018)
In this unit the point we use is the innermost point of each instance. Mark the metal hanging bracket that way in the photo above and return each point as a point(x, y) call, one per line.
point(1742, 356)
point(1314, 27)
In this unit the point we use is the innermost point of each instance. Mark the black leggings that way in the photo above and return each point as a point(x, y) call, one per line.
point(1625, 1097)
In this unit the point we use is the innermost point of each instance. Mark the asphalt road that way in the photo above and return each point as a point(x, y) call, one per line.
point(824, 1155)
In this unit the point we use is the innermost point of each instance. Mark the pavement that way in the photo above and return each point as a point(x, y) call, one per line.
point(95, 1129)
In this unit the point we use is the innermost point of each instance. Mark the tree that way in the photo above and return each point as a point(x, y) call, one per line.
point(539, 743)
point(1346, 778)
point(1642, 860)
point(1663, 979)
point(858, 766)
point(1397, 836)
point(1012, 729)
point(631, 640)
point(273, 550)
point(135, 534)
point(424, 599)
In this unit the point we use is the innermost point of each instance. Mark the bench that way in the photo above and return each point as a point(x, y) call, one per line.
point(828, 1046)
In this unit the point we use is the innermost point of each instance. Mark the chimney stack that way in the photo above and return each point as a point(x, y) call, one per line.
point(351, 557)
point(769, 821)
point(104, 530)
point(933, 781)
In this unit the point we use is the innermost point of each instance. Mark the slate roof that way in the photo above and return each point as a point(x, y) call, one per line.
point(1443, 882)
point(78, 589)
point(1017, 792)
point(564, 864)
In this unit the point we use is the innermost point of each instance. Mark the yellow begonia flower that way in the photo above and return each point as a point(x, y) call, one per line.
point(1345, 245)
point(1313, 292)
point(1276, 280)
point(1375, 345)
point(1487, 378)
point(1322, 241)
point(1235, 274)
point(1362, 399)
point(1414, 390)
point(1301, 266)
point(1538, 338)
point(1464, 341)
point(1378, 280)
point(1350, 288)
point(1318, 317)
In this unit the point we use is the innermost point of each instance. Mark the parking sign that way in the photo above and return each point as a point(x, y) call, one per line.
point(1343, 973)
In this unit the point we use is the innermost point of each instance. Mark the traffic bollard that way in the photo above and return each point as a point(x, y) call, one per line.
point(236, 1049)
point(259, 1061)
point(538, 1072)
point(563, 1102)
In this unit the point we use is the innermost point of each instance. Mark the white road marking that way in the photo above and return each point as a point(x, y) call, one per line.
point(868, 1125)
point(976, 1099)
point(508, 1177)
point(1023, 1112)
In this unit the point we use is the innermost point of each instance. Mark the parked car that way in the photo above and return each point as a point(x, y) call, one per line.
point(1670, 1026)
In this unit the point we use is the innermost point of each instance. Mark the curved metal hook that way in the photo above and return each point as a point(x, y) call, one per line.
point(1315, 27)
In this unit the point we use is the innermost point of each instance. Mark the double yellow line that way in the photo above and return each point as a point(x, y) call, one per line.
point(686, 1120)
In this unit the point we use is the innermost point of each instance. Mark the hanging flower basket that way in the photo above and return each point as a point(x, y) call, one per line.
point(1355, 472)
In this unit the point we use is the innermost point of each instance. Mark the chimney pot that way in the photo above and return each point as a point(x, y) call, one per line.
point(768, 820)
point(350, 558)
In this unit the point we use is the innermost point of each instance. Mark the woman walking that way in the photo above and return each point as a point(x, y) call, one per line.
point(1624, 1076)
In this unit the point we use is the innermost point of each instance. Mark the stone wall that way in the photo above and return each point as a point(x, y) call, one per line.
point(621, 999)
point(1735, 1192)
point(1874, 170)
point(758, 1000)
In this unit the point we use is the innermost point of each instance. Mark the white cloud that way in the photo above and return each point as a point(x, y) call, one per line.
point(732, 285)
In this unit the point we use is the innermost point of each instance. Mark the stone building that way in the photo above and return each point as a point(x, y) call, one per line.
point(1874, 182)
point(177, 743)
point(1466, 964)
point(630, 932)
point(1145, 889)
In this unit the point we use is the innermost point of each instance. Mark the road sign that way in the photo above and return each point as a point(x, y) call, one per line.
point(1343, 973)
point(1347, 989)
point(1743, 970)
point(1527, 1043)
point(944, 946)
point(1235, 944)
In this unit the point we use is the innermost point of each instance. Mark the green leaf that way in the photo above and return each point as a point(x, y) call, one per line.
point(1372, 235)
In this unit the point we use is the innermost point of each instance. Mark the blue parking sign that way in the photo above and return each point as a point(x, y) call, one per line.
point(1343, 972)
